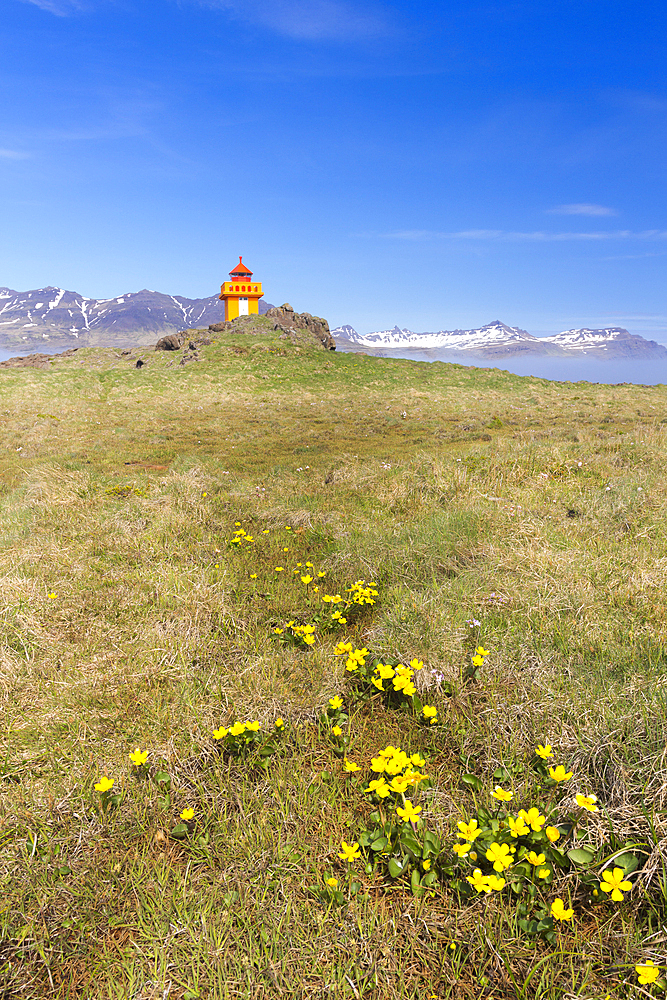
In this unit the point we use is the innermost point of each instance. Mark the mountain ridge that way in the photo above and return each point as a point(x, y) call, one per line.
point(58, 317)
point(497, 340)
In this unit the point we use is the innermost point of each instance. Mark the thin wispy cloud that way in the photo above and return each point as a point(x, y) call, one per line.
point(13, 154)
point(61, 8)
point(500, 235)
point(310, 20)
point(581, 209)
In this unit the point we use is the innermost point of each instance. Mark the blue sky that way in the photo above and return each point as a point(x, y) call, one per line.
point(434, 165)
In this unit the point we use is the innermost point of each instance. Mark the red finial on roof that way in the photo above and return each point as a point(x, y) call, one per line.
point(240, 271)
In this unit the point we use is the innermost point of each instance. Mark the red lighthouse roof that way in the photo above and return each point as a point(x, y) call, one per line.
point(240, 271)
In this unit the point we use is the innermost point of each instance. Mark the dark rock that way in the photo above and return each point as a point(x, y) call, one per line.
point(139, 364)
point(172, 342)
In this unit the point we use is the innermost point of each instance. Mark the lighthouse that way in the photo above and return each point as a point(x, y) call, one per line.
point(240, 294)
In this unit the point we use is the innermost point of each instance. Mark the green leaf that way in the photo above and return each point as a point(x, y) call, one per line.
point(163, 780)
point(627, 861)
point(432, 842)
point(396, 867)
point(415, 880)
point(354, 888)
point(471, 781)
point(379, 844)
point(409, 841)
point(180, 831)
point(430, 878)
point(580, 856)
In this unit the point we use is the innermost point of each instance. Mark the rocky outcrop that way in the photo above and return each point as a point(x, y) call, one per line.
point(172, 342)
point(289, 321)
point(36, 360)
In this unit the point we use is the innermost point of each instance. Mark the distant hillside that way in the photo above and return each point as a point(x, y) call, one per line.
point(497, 340)
point(54, 317)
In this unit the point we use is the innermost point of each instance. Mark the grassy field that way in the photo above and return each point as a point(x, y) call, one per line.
point(130, 618)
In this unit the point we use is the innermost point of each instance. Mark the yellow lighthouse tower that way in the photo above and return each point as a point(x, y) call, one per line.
point(240, 294)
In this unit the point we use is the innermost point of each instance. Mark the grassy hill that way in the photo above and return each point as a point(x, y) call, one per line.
point(145, 513)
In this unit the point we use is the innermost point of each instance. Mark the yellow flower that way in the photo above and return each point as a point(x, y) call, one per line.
point(350, 766)
point(587, 802)
point(237, 729)
point(252, 726)
point(535, 859)
point(479, 881)
point(430, 712)
point(335, 702)
point(321, 574)
point(351, 664)
point(544, 751)
point(306, 579)
point(385, 671)
point(558, 911)
point(480, 651)
point(496, 883)
point(380, 787)
point(336, 730)
point(266, 531)
point(500, 855)
point(500, 794)
point(517, 826)
point(417, 760)
point(377, 683)
point(461, 849)
point(187, 814)
point(253, 576)
point(395, 764)
point(533, 818)
point(104, 784)
point(469, 831)
point(379, 764)
point(350, 852)
point(553, 833)
point(278, 631)
point(342, 647)
point(559, 774)
point(279, 723)
point(416, 664)
point(409, 689)
point(285, 549)
point(399, 784)
point(309, 565)
point(544, 873)
point(410, 814)
point(139, 757)
point(413, 777)
point(613, 882)
point(52, 597)
point(279, 569)
point(333, 882)
point(647, 973)
point(219, 734)
point(478, 661)
point(309, 639)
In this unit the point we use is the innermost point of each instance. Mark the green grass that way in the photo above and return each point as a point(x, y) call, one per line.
point(460, 492)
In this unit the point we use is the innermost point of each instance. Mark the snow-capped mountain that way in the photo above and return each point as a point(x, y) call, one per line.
point(57, 316)
point(614, 341)
point(497, 340)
